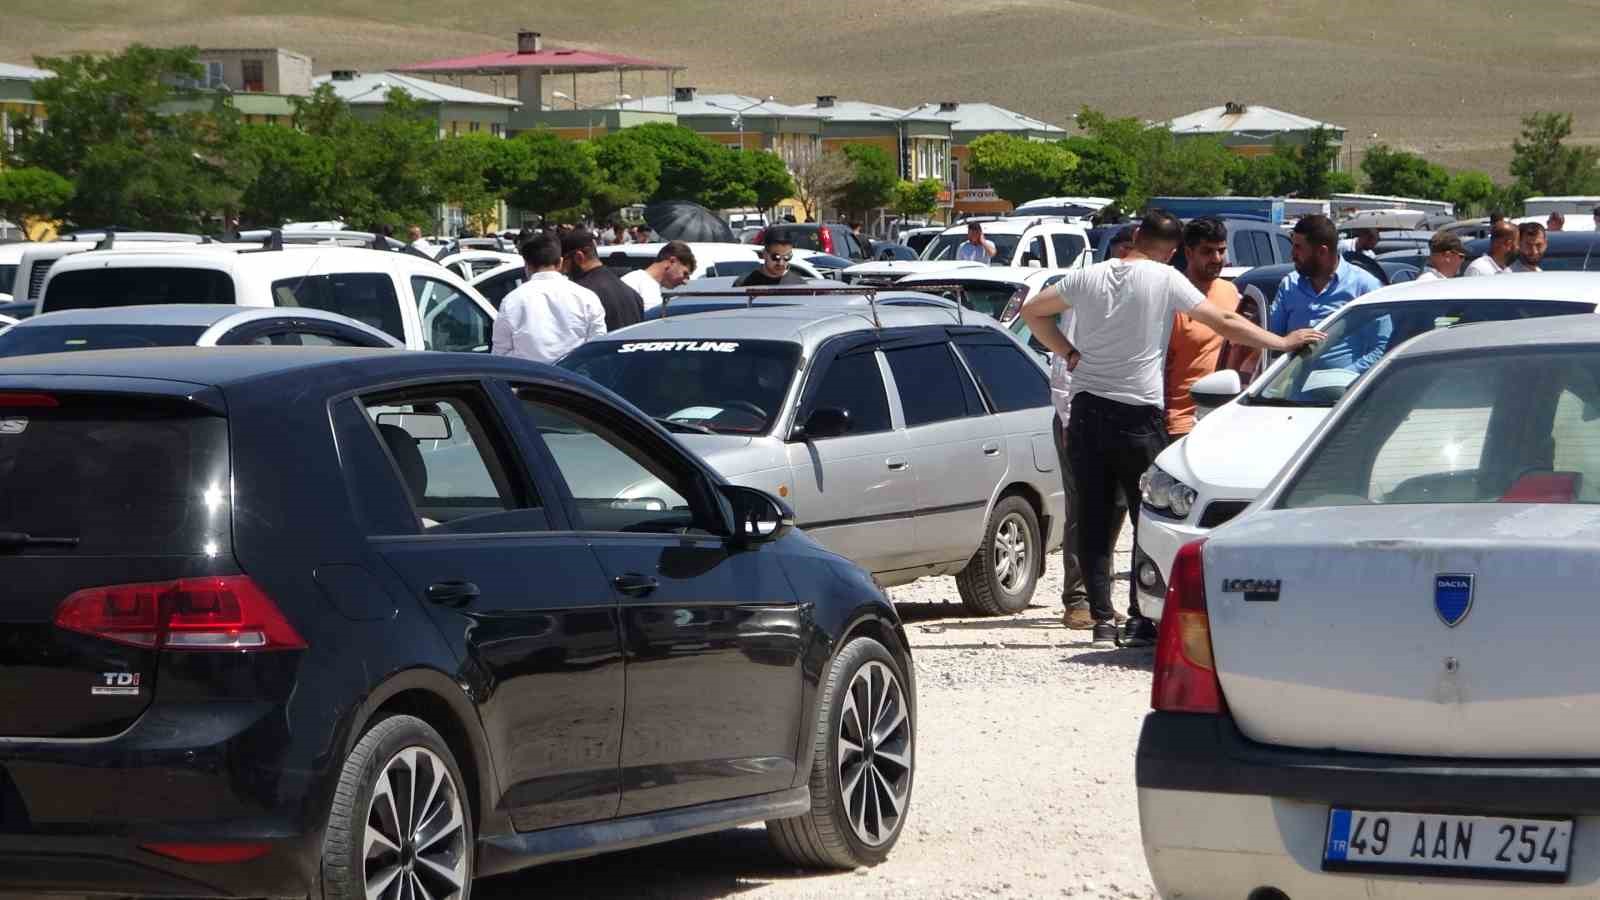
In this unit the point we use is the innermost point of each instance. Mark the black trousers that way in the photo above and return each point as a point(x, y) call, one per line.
point(1073, 593)
point(1109, 445)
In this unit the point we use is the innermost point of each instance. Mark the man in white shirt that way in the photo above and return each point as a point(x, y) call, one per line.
point(547, 316)
point(1445, 255)
point(616, 236)
point(1502, 247)
point(977, 248)
point(1122, 315)
point(1364, 241)
point(418, 244)
point(1531, 245)
point(672, 268)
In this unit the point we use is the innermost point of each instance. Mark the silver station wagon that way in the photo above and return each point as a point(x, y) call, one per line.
point(909, 435)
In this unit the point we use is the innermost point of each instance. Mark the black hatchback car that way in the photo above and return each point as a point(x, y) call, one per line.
point(352, 623)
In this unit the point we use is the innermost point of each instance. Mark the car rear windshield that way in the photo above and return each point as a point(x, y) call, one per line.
point(1498, 427)
point(67, 338)
point(987, 297)
point(122, 478)
point(728, 387)
point(945, 246)
point(1359, 337)
point(8, 278)
point(135, 286)
point(803, 238)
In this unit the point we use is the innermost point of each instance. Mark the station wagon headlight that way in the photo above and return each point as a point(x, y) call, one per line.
point(1165, 494)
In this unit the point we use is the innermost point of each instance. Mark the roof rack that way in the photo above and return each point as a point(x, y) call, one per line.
point(751, 294)
point(272, 243)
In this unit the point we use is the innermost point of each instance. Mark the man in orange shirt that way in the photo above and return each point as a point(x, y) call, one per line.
point(1193, 350)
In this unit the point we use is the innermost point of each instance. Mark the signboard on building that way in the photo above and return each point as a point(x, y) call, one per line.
point(976, 195)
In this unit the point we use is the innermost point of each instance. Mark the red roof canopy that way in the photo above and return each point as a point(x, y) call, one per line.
point(550, 59)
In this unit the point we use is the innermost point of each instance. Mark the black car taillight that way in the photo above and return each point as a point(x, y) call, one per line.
point(217, 613)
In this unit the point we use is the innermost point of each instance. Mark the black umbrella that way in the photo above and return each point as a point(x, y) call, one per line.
point(680, 220)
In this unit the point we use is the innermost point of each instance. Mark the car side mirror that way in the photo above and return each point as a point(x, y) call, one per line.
point(827, 422)
point(1216, 389)
point(758, 517)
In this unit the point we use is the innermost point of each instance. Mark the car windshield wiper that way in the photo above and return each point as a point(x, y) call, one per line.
point(685, 427)
point(11, 540)
point(1284, 401)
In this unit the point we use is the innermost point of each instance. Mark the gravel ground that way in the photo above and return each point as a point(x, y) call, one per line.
point(1024, 777)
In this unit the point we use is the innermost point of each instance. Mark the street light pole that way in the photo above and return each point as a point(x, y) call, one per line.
point(738, 116)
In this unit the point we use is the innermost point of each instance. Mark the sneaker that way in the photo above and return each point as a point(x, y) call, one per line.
point(1077, 619)
point(1138, 632)
point(1105, 634)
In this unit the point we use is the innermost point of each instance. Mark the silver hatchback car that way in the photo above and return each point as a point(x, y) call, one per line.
point(913, 439)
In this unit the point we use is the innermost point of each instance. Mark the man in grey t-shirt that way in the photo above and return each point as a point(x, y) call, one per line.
point(976, 248)
point(1122, 313)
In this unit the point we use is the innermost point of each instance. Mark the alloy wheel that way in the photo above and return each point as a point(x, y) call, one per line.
point(875, 753)
point(415, 837)
point(1012, 556)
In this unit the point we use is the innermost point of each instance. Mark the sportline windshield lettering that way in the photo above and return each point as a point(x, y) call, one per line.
point(683, 346)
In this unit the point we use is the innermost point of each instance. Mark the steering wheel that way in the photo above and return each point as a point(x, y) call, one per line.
point(748, 407)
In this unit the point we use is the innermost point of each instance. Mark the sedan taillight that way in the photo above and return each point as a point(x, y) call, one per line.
point(218, 613)
point(1186, 672)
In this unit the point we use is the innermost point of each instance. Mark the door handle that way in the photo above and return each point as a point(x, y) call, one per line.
point(991, 449)
point(896, 464)
point(635, 585)
point(453, 593)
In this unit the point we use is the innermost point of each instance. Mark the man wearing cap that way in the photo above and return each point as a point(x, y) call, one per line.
point(580, 260)
point(1502, 247)
point(1445, 255)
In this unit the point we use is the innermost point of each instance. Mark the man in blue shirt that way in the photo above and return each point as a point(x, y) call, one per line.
point(1322, 282)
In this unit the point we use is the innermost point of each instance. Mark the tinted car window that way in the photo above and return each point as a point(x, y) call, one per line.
point(67, 338)
point(495, 289)
point(806, 238)
point(129, 286)
point(304, 339)
point(1244, 252)
point(1067, 247)
point(732, 387)
point(1263, 246)
point(946, 245)
point(367, 297)
point(1009, 378)
point(854, 383)
point(123, 478)
point(451, 321)
point(8, 277)
point(932, 386)
point(1285, 248)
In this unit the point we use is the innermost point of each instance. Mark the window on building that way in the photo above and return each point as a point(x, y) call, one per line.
point(496, 129)
point(474, 127)
point(255, 75)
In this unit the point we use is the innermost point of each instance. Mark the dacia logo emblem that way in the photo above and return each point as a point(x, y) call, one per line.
point(1452, 597)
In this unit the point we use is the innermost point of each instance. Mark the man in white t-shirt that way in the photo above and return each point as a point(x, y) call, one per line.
point(1122, 314)
point(976, 248)
point(672, 268)
point(1502, 247)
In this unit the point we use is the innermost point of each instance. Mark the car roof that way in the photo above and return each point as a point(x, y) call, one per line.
point(290, 261)
point(809, 322)
point(1011, 274)
point(1580, 287)
point(1521, 334)
point(1018, 225)
point(196, 314)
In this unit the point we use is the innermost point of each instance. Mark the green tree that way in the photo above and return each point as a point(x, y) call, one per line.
point(872, 180)
point(819, 180)
point(1397, 173)
point(292, 170)
point(139, 150)
point(916, 199)
point(1543, 164)
point(1316, 158)
point(629, 172)
point(1470, 192)
point(29, 194)
point(463, 168)
point(1274, 174)
point(1019, 169)
point(768, 178)
point(1103, 170)
point(553, 177)
point(692, 166)
point(1340, 183)
point(1195, 166)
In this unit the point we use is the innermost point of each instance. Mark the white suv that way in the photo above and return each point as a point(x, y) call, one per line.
point(418, 302)
point(1046, 243)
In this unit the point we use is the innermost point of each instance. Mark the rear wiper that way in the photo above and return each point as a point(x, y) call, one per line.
point(681, 427)
point(10, 540)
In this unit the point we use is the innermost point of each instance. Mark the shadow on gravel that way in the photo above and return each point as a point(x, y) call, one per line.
point(713, 865)
point(1008, 622)
point(932, 612)
point(1133, 659)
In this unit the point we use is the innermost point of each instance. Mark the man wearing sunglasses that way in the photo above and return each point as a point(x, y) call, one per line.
point(774, 267)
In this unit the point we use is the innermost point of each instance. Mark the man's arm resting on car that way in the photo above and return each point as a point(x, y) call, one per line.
point(1040, 313)
point(1240, 330)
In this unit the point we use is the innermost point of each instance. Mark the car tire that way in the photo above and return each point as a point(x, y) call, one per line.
point(399, 752)
point(1000, 578)
point(860, 792)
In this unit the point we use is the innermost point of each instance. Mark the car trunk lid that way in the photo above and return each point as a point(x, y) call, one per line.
point(1460, 629)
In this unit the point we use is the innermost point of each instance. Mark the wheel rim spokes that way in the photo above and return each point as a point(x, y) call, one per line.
point(874, 754)
point(414, 846)
point(1011, 554)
